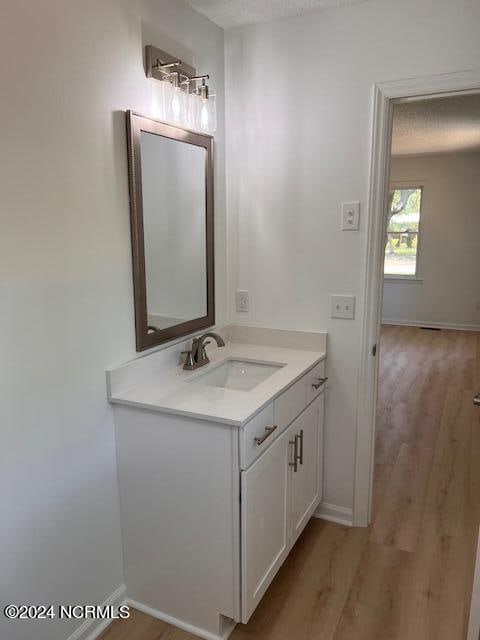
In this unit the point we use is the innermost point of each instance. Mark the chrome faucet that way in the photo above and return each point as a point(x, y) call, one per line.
point(197, 356)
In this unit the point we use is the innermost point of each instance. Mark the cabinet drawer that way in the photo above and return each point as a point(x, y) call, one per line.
point(288, 406)
point(313, 381)
point(279, 414)
point(257, 427)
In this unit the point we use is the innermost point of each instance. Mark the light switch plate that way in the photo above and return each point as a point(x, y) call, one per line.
point(343, 307)
point(241, 300)
point(350, 216)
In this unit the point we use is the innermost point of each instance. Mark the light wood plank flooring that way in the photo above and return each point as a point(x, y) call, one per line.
point(409, 576)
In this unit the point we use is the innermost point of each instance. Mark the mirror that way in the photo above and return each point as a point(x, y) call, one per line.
point(171, 211)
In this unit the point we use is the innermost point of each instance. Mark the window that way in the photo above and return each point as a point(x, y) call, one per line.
point(401, 251)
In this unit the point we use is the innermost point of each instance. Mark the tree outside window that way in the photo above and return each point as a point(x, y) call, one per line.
point(401, 251)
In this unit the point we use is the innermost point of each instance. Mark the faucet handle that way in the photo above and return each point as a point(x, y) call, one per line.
point(189, 363)
point(203, 355)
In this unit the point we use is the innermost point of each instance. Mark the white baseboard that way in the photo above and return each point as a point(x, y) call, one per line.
point(196, 631)
point(91, 629)
point(334, 513)
point(433, 325)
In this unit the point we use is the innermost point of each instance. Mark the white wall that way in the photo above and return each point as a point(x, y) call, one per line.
point(299, 115)
point(449, 258)
point(68, 71)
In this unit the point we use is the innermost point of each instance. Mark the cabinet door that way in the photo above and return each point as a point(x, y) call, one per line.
point(306, 480)
point(265, 514)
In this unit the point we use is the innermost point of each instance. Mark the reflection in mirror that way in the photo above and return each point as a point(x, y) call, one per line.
point(171, 206)
point(174, 223)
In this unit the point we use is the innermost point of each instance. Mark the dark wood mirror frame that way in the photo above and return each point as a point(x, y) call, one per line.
point(137, 123)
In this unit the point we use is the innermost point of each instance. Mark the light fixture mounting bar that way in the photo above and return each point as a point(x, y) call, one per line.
point(156, 58)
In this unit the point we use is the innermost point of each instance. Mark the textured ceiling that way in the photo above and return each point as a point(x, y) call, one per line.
point(234, 13)
point(442, 125)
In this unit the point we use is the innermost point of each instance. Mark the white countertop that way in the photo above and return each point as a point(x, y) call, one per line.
point(170, 392)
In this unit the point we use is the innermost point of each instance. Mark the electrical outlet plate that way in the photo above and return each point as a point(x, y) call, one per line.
point(343, 307)
point(350, 216)
point(241, 300)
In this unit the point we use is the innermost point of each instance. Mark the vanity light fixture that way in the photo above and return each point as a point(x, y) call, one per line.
point(182, 97)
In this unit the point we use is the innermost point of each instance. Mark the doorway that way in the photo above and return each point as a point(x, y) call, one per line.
point(421, 468)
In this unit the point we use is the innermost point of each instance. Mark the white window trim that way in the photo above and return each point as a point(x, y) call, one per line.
point(417, 277)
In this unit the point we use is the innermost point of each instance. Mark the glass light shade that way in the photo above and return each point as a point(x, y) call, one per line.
point(167, 99)
point(204, 116)
point(159, 99)
point(177, 109)
point(207, 115)
point(192, 111)
point(212, 107)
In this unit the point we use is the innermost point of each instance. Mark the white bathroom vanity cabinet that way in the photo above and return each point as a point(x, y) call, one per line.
point(216, 484)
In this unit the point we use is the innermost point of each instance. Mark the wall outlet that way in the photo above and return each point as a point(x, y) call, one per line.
point(343, 307)
point(241, 300)
point(350, 216)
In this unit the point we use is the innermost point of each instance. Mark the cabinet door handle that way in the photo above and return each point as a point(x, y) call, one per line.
point(321, 381)
point(294, 464)
point(299, 436)
point(268, 432)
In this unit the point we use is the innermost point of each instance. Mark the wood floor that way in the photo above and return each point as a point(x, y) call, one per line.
point(409, 576)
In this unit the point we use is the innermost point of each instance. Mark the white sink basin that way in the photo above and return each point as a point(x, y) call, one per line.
point(237, 374)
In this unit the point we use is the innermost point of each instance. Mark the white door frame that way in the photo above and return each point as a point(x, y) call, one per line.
point(384, 95)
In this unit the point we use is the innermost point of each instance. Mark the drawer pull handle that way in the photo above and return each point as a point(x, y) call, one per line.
point(299, 436)
point(294, 464)
point(321, 382)
point(268, 432)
